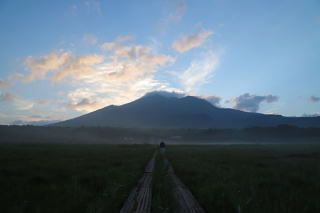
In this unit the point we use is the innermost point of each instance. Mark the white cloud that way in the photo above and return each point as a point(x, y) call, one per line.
point(132, 62)
point(199, 71)
point(191, 41)
point(62, 64)
point(125, 73)
point(100, 92)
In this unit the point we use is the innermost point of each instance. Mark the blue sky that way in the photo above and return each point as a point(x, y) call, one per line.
point(61, 59)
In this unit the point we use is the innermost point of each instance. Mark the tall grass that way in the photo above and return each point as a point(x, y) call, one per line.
point(68, 178)
point(251, 178)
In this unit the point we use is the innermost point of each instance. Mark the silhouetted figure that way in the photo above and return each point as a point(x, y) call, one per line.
point(162, 147)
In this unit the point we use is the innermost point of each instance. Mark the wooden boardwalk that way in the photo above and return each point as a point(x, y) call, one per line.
point(139, 200)
point(185, 200)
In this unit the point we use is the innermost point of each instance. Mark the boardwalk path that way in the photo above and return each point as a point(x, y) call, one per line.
point(139, 200)
point(185, 200)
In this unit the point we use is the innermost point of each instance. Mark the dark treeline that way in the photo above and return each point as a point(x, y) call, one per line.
point(281, 134)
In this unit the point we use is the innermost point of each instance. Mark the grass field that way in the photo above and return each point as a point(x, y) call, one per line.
point(68, 178)
point(99, 178)
point(251, 178)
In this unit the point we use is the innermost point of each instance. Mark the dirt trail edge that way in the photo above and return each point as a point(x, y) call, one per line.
point(139, 200)
point(185, 200)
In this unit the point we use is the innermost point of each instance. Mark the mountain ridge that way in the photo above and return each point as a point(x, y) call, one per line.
point(158, 111)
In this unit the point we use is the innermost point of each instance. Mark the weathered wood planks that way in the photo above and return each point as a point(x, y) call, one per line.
point(185, 200)
point(139, 200)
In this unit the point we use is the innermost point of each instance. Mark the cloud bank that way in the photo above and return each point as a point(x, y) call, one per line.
point(251, 103)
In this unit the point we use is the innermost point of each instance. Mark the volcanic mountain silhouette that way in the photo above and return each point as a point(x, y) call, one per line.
point(159, 111)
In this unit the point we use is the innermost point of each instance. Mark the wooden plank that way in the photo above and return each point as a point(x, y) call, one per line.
point(186, 201)
point(139, 200)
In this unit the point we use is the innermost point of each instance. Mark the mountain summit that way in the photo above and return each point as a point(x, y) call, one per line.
point(156, 110)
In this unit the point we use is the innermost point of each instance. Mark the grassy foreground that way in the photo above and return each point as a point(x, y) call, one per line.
point(251, 178)
point(68, 178)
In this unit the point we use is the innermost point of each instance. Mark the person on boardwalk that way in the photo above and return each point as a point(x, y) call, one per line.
point(162, 147)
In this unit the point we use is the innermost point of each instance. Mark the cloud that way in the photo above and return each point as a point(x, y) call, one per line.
point(251, 103)
point(3, 84)
point(42, 102)
point(90, 38)
point(172, 94)
point(20, 103)
point(315, 98)
point(86, 105)
point(191, 41)
point(7, 97)
point(62, 64)
point(175, 12)
point(122, 74)
point(199, 71)
point(132, 62)
point(117, 43)
point(214, 100)
point(103, 92)
point(311, 115)
point(124, 63)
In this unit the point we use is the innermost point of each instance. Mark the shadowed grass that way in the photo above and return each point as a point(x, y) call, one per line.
point(68, 178)
point(251, 178)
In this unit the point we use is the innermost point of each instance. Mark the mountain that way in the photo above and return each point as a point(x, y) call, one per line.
point(158, 111)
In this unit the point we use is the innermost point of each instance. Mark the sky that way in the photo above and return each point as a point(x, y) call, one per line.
point(62, 59)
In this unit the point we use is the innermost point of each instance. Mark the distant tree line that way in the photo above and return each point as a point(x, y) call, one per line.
point(113, 135)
